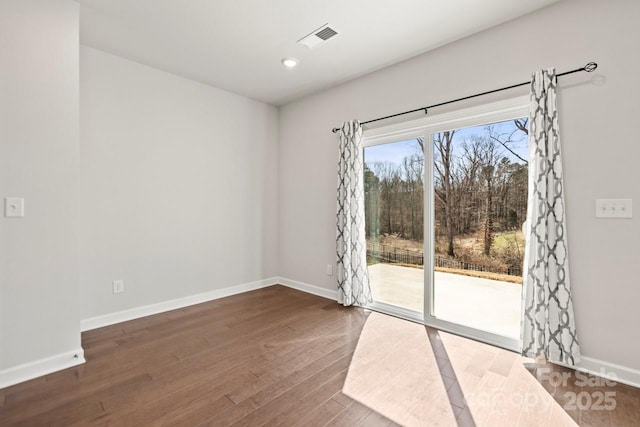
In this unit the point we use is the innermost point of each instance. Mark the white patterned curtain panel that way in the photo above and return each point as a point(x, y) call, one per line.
point(548, 324)
point(351, 245)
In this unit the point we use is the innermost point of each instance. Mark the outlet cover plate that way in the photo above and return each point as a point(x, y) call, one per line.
point(13, 207)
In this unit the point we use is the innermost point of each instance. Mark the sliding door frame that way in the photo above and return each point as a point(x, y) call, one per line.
point(425, 128)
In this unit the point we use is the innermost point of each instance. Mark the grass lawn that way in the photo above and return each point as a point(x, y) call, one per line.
point(501, 241)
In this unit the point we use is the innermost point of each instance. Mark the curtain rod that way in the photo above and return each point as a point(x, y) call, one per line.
point(590, 67)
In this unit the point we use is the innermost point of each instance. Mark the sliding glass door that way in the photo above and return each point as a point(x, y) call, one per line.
point(444, 214)
point(478, 178)
point(394, 217)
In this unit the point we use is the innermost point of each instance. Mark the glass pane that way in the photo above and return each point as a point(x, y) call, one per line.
point(480, 206)
point(394, 216)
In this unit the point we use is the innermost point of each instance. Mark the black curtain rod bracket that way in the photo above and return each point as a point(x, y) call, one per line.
point(590, 67)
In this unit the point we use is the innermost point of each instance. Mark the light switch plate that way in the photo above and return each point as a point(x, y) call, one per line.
point(13, 207)
point(614, 208)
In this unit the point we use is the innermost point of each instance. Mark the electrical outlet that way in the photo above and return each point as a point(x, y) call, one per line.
point(13, 207)
point(329, 270)
point(118, 286)
point(614, 208)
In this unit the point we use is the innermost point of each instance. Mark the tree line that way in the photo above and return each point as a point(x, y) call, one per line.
point(479, 189)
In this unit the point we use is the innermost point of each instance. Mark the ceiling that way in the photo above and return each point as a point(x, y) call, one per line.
point(237, 45)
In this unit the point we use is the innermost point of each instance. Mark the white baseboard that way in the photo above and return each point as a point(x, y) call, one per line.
point(38, 368)
point(161, 307)
point(310, 289)
point(590, 365)
point(610, 371)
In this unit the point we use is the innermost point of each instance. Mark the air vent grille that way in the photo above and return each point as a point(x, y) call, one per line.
point(326, 33)
point(318, 36)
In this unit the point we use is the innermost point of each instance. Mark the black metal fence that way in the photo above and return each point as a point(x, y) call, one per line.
point(395, 255)
point(404, 256)
point(444, 262)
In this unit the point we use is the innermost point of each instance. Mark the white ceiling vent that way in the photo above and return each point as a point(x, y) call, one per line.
point(318, 36)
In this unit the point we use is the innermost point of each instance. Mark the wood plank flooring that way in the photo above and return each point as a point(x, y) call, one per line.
point(279, 357)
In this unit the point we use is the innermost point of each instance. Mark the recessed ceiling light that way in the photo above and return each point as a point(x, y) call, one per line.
point(289, 62)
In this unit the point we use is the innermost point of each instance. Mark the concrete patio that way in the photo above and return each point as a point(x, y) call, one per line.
point(489, 305)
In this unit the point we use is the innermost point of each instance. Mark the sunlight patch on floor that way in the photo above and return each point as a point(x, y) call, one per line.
point(417, 376)
point(394, 372)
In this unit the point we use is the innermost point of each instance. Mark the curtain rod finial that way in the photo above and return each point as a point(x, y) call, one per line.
point(591, 66)
point(334, 130)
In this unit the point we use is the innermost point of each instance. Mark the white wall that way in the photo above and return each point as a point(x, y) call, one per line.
point(185, 189)
point(39, 313)
point(178, 186)
point(601, 149)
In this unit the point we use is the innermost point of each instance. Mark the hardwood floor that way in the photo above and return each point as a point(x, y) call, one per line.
point(280, 357)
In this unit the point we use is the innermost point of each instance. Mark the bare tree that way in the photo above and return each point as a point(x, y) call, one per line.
point(522, 124)
point(489, 155)
point(385, 173)
point(480, 190)
point(413, 188)
point(372, 202)
point(443, 156)
point(506, 139)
